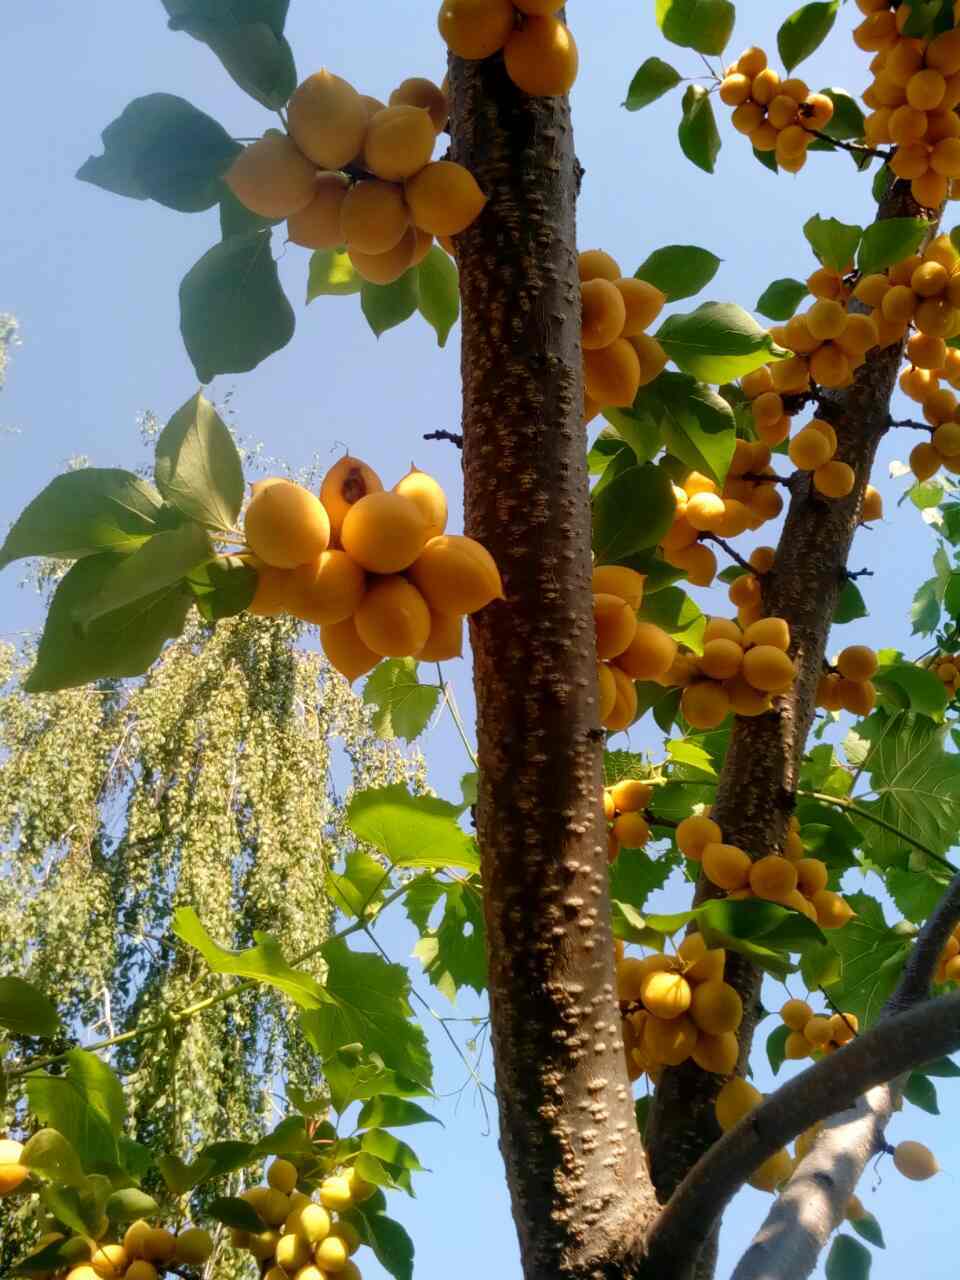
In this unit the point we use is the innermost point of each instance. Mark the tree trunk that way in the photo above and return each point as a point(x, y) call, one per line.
point(580, 1190)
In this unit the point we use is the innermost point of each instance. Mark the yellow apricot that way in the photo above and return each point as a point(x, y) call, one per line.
point(159, 1245)
point(795, 1014)
point(796, 1046)
point(717, 1054)
point(140, 1269)
point(594, 264)
point(721, 659)
point(826, 319)
point(385, 268)
point(420, 92)
point(331, 1254)
point(705, 511)
point(812, 875)
point(374, 216)
point(292, 1252)
point(285, 525)
point(946, 439)
point(540, 8)
point(768, 631)
point(444, 198)
point(385, 533)
point(135, 1236)
point(643, 302)
point(428, 495)
point(929, 189)
point(347, 1232)
point(669, 1041)
point(457, 574)
point(650, 654)
point(335, 1193)
point(327, 120)
point(830, 366)
point(327, 589)
point(857, 662)
point(612, 374)
point(83, 1272)
point(817, 1030)
point(709, 968)
point(734, 89)
point(445, 639)
point(924, 461)
point(834, 479)
point(108, 1261)
point(345, 651)
point(393, 619)
point(399, 142)
point(768, 669)
point(773, 1172)
point(716, 1007)
point(272, 177)
point(618, 580)
point(475, 29)
point(345, 483)
point(693, 834)
point(631, 830)
point(843, 1027)
point(697, 562)
point(736, 1099)
point(773, 877)
point(705, 704)
point(809, 449)
point(915, 1161)
point(632, 972)
point(630, 795)
point(541, 57)
point(603, 314)
point(195, 1245)
point(263, 1245)
point(606, 701)
point(726, 866)
point(625, 709)
point(314, 1223)
point(317, 225)
point(666, 995)
point(871, 289)
point(832, 910)
point(859, 697)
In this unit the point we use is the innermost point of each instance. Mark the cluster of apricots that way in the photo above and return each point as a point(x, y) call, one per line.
point(848, 684)
point(539, 53)
point(829, 344)
point(946, 667)
point(740, 670)
point(353, 171)
point(948, 966)
point(678, 1007)
point(619, 357)
point(373, 569)
point(778, 116)
point(912, 101)
point(790, 879)
point(627, 649)
point(301, 1239)
point(813, 1034)
point(624, 806)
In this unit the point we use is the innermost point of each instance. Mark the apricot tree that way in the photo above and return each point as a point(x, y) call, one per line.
point(578, 626)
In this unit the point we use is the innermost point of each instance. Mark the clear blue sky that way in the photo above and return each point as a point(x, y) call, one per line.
point(93, 279)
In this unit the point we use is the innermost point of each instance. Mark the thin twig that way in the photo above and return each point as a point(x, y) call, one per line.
point(452, 436)
point(855, 148)
point(731, 552)
point(911, 425)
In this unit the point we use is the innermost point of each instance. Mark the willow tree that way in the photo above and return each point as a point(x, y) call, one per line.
point(762, 824)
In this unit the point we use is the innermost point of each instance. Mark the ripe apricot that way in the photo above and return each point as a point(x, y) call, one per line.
point(924, 461)
point(612, 374)
point(705, 704)
point(594, 264)
point(285, 525)
point(314, 1223)
point(327, 120)
point(843, 1027)
point(327, 589)
point(669, 1042)
point(643, 302)
point(736, 1099)
point(652, 357)
point(385, 268)
point(812, 875)
point(796, 1046)
point(603, 313)
point(697, 562)
point(768, 669)
point(665, 995)
point(618, 580)
point(393, 618)
point(195, 1245)
point(832, 910)
point(606, 701)
point(475, 29)
point(721, 659)
point(444, 198)
point(809, 449)
point(420, 92)
point(541, 57)
point(726, 866)
point(457, 574)
point(630, 795)
point(830, 366)
point(693, 834)
point(859, 697)
point(773, 1172)
point(293, 1252)
point(428, 495)
point(768, 631)
point(631, 830)
point(795, 1014)
point(345, 651)
point(272, 177)
point(716, 1007)
point(373, 217)
point(717, 1054)
point(135, 1236)
point(317, 225)
point(385, 533)
point(632, 972)
point(834, 479)
point(744, 699)
point(826, 319)
point(857, 662)
point(915, 1161)
point(650, 653)
point(345, 483)
point(773, 877)
point(625, 709)
point(140, 1269)
point(160, 1245)
point(399, 142)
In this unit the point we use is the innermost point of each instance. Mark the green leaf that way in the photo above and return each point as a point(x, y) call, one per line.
point(98, 1086)
point(631, 513)
point(383, 1145)
point(263, 962)
point(850, 604)
point(703, 25)
point(290, 1137)
point(716, 343)
point(223, 587)
point(369, 1005)
point(779, 301)
point(819, 966)
point(767, 159)
point(413, 831)
point(453, 954)
point(233, 311)
point(50, 1155)
point(59, 1104)
point(834, 243)
point(439, 292)
point(926, 16)
point(890, 241)
point(404, 705)
point(698, 134)
point(696, 425)
point(123, 643)
point(387, 305)
point(634, 876)
point(870, 1229)
point(79, 1208)
point(942, 1068)
point(922, 1092)
point(361, 885)
point(129, 1204)
point(654, 78)
point(162, 562)
point(847, 120)
point(387, 1112)
point(678, 614)
point(332, 274)
point(805, 31)
point(350, 1079)
point(227, 1157)
point(776, 1047)
point(198, 469)
point(41, 1262)
point(925, 609)
point(915, 688)
point(162, 148)
point(234, 1212)
point(687, 752)
point(83, 512)
point(26, 1011)
point(641, 433)
point(390, 1243)
point(237, 220)
point(872, 956)
point(255, 57)
point(641, 1109)
point(679, 270)
point(848, 1260)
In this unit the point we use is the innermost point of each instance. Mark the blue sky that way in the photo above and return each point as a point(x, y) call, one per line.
point(93, 279)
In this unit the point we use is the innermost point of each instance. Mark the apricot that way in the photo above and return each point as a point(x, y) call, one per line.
point(693, 834)
point(445, 639)
point(809, 449)
point(272, 177)
point(716, 1007)
point(665, 995)
point(327, 120)
point(327, 589)
point(428, 495)
point(345, 651)
point(596, 264)
point(541, 57)
point(859, 336)
point(373, 217)
point(315, 1223)
point(140, 1269)
point(612, 375)
point(652, 357)
point(795, 1014)
point(796, 1046)
point(773, 1172)
point(625, 709)
point(915, 1161)
point(475, 29)
point(768, 631)
point(705, 704)
point(606, 701)
point(444, 198)
point(857, 662)
point(135, 1236)
point(832, 910)
point(160, 1245)
point(736, 1099)
point(285, 525)
point(317, 225)
point(630, 795)
point(631, 830)
point(384, 268)
point(643, 302)
point(420, 92)
point(830, 366)
point(457, 574)
point(393, 618)
point(812, 875)
point(721, 659)
point(399, 142)
point(768, 669)
point(292, 1253)
point(603, 314)
point(744, 699)
point(331, 1254)
point(872, 505)
point(717, 1054)
point(346, 1231)
point(773, 877)
point(924, 461)
point(335, 1193)
point(859, 697)
point(263, 1245)
point(726, 866)
point(826, 319)
point(195, 1245)
point(669, 1041)
point(385, 532)
point(705, 511)
point(618, 580)
point(345, 483)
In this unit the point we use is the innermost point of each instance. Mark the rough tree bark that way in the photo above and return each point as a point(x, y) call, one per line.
point(580, 1190)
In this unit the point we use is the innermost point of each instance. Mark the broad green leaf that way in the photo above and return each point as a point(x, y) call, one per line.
point(925, 609)
point(388, 1112)
point(439, 292)
point(404, 705)
point(653, 79)
point(83, 512)
point(233, 311)
point(180, 1177)
point(942, 1068)
point(254, 56)
point(79, 1208)
point(698, 134)
point(50, 1155)
point(703, 25)
point(872, 956)
point(690, 753)
point(869, 1228)
point(634, 876)
point(453, 954)
point(779, 301)
point(290, 1137)
point(227, 1157)
point(627, 924)
point(679, 270)
point(387, 305)
point(369, 1005)
point(261, 963)
point(129, 1204)
point(641, 1109)
point(696, 425)
point(123, 643)
point(162, 148)
point(234, 1212)
point(237, 220)
point(835, 243)
point(360, 886)
point(352, 1079)
point(98, 1086)
point(805, 31)
point(332, 274)
point(632, 513)
point(198, 469)
point(926, 16)
point(678, 615)
point(608, 445)
point(717, 343)
point(847, 121)
point(776, 1047)
point(26, 1011)
point(412, 831)
point(922, 1092)
point(820, 966)
point(638, 429)
point(850, 604)
point(768, 160)
point(390, 1243)
point(223, 587)
point(616, 466)
point(914, 688)
point(42, 1262)
point(890, 241)
point(848, 1260)
point(161, 563)
point(392, 1151)
point(59, 1104)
